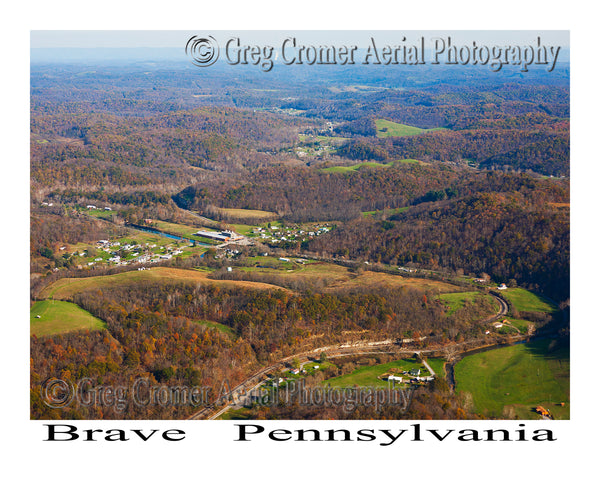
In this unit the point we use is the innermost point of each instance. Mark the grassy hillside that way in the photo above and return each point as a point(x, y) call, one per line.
point(526, 301)
point(512, 381)
point(60, 317)
point(455, 301)
point(338, 277)
point(354, 168)
point(65, 288)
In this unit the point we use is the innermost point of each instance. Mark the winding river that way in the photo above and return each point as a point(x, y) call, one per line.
point(165, 234)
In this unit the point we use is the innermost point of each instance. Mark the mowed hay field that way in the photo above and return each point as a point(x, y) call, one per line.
point(380, 279)
point(337, 277)
point(60, 317)
point(510, 382)
point(243, 213)
point(65, 288)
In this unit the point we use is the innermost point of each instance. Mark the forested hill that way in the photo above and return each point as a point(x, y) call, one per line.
point(472, 168)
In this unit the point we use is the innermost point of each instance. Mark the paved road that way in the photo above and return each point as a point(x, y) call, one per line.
point(503, 310)
point(251, 383)
point(247, 386)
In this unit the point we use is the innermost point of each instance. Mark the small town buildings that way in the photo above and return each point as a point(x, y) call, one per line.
point(223, 236)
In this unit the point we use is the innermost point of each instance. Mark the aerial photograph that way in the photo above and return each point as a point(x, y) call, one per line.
point(300, 225)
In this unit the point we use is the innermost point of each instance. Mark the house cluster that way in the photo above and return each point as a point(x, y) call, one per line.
point(228, 253)
point(414, 374)
point(117, 253)
point(408, 270)
point(94, 207)
point(293, 372)
point(275, 235)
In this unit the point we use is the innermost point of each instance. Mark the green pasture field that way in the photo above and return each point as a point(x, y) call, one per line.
point(367, 376)
point(455, 301)
point(386, 128)
point(359, 166)
point(387, 211)
point(512, 381)
point(437, 364)
point(219, 326)
point(101, 213)
point(354, 168)
point(519, 324)
point(526, 301)
point(60, 317)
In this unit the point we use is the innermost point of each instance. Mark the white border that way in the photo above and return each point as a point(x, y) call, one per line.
point(209, 450)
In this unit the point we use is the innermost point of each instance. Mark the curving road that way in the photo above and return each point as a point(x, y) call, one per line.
point(339, 350)
point(503, 310)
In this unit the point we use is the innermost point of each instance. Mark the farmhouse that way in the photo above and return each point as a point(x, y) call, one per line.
point(415, 372)
point(394, 378)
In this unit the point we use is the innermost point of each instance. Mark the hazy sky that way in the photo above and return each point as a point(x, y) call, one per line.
point(176, 39)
